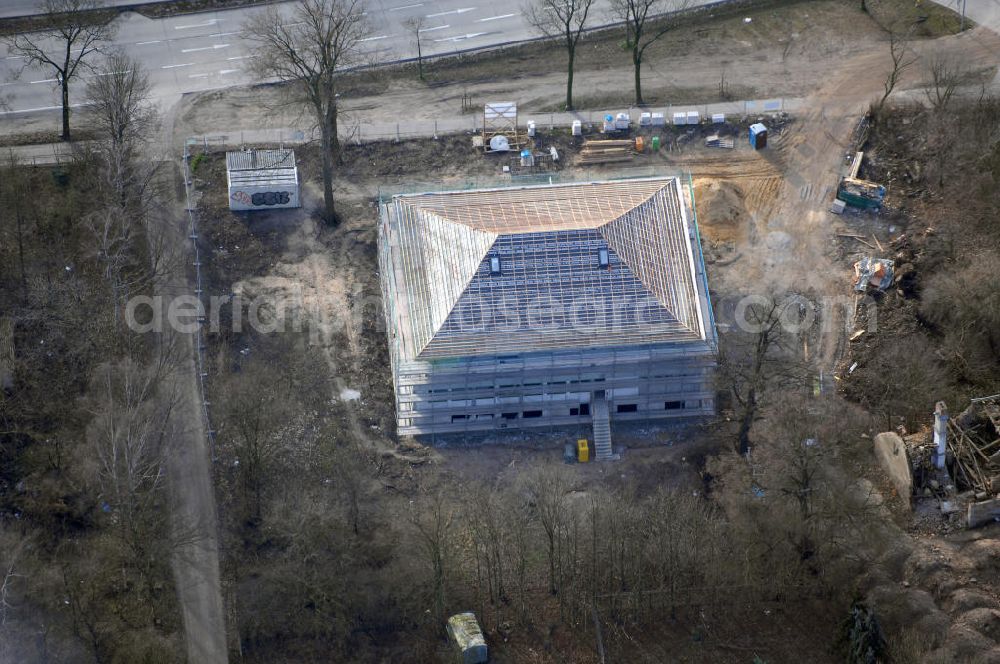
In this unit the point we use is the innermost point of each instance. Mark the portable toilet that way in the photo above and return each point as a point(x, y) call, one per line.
point(531, 128)
point(609, 123)
point(582, 450)
point(645, 119)
point(718, 118)
point(680, 118)
point(693, 118)
point(758, 136)
point(622, 121)
point(527, 158)
point(577, 128)
point(657, 119)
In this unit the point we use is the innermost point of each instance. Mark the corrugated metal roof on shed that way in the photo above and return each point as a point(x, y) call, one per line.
point(262, 177)
point(253, 160)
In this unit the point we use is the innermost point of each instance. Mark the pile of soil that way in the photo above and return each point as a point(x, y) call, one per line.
point(722, 213)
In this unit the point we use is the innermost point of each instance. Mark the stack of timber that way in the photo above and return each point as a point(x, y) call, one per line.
point(606, 152)
point(715, 141)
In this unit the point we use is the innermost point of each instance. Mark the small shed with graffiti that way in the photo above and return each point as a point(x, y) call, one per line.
point(262, 179)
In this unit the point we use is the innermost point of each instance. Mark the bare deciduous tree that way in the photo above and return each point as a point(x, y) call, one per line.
point(309, 50)
point(546, 487)
point(119, 110)
point(416, 26)
point(125, 233)
point(11, 583)
point(565, 20)
point(640, 33)
point(757, 356)
point(252, 423)
point(14, 195)
point(71, 35)
point(946, 73)
point(433, 522)
point(132, 409)
point(902, 59)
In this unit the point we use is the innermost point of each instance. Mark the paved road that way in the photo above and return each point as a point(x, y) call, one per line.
point(203, 51)
point(10, 8)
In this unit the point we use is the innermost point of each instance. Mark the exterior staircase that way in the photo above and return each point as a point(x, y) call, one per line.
point(602, 429)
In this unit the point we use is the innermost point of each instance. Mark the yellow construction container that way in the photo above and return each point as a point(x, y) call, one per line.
point(582, 450)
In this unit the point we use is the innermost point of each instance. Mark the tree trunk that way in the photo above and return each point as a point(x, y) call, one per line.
point(637, 63)
point(65, 109)
point(20, 242)
point(552, 565)
point(329, 209)
point(747, 422)
point(420, 60)
point(569, 78)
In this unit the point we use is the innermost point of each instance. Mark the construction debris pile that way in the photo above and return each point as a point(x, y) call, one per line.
point(873, 272)
point(969, 478)
point(974, 442)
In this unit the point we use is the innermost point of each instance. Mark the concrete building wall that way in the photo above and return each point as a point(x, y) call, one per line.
point(546, 389)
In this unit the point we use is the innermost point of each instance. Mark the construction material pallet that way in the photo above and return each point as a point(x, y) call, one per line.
point(715, 141)
point(604, 152)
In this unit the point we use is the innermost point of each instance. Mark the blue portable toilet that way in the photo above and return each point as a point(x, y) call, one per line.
point(758, 136)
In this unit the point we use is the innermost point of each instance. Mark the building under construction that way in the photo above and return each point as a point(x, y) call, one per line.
point(546, 305)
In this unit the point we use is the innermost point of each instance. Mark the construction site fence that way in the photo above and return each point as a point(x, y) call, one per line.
point(356, 131)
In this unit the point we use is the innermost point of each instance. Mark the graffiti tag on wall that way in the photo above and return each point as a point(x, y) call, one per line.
point(262, 198)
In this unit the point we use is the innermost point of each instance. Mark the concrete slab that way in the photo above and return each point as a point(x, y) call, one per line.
point(890, 450)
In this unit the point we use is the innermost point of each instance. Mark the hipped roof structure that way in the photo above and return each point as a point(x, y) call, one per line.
point(545, 267)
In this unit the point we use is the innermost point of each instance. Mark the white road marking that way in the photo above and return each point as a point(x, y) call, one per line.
point(223, 72)
point(472, 35)
point(40, 108)
point(46, 80)
point(396, 9)
point(440, 27)
point(239, 57)
point(453, 11)
point(157, 41)
point(186, 64)
point(375, 38)
point(110, 73)
point(14, 57)
point(212, 21)
point(198, 75)
point(204, 48)
point(495, 18)
point(288, 25)
point(224, 34)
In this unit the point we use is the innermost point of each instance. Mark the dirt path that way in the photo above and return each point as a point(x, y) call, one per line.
point(195, 556)
point(194, 517)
